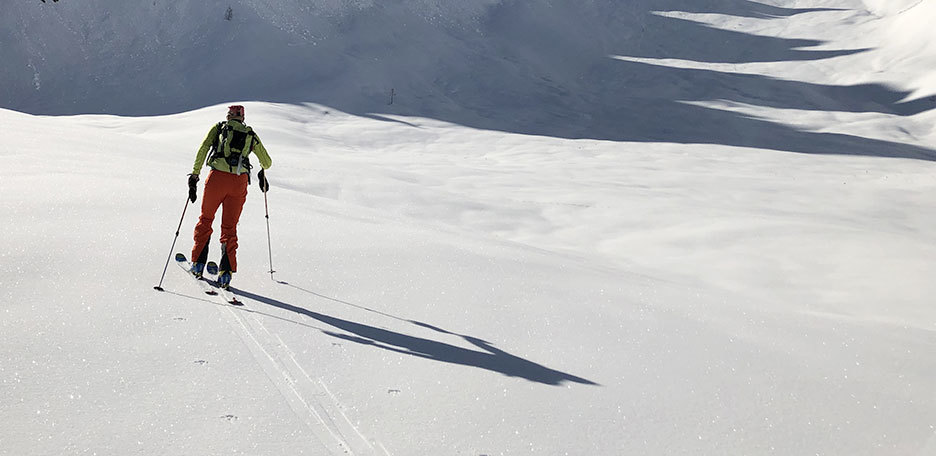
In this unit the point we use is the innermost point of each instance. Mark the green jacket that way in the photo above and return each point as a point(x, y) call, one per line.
point(253, 144)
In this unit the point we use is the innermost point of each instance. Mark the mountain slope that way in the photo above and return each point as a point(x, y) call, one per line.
point(552, 69)
point(430, 300)
point(579, 228)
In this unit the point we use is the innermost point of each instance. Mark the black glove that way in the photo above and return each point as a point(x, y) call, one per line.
point(192, 187)
point(263, 182)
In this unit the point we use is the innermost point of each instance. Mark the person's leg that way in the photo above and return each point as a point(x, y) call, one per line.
point(231, 210)
point(211, 198)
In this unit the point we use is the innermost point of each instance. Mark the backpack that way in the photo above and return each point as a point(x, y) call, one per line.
point(234, 143)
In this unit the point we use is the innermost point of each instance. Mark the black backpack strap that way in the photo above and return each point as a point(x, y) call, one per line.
point(253, 138)
point(216, 145)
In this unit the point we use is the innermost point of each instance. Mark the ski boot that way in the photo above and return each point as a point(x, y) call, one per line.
point(197, 270)
point(224, 279)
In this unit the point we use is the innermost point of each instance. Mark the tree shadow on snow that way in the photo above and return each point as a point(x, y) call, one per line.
point(488, 358)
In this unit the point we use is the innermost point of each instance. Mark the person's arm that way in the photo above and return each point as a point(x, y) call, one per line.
point(203, 150)
point(265, 161)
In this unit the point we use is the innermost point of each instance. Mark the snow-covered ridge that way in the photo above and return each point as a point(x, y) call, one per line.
point(597, 69)
point(648, 227)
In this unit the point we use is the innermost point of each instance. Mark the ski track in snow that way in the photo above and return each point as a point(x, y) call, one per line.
point(309, 398)
point(650, 238)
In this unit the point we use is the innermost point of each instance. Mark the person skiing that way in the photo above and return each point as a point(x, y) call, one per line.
point(230, 143)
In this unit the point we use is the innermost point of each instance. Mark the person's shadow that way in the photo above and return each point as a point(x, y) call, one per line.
point(489, 357)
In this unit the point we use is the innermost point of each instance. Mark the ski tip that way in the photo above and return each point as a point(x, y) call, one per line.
point(158, 288)
point(180, 257)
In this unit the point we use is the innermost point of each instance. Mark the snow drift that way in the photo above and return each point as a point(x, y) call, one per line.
point(578, 228)
point(544, 68)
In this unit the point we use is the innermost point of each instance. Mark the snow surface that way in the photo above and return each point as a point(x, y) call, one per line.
point(586, 228)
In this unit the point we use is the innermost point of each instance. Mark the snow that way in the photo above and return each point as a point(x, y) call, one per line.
point(680, 227)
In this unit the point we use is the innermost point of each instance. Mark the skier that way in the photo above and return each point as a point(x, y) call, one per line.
point(230, 144)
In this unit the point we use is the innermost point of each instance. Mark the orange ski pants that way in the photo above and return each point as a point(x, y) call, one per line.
point(230, 192)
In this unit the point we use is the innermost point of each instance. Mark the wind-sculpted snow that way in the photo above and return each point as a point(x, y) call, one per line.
point(577, 229)
point(443, 290)
point(562, 68)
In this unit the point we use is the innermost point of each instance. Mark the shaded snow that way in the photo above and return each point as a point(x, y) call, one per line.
point(670, 227)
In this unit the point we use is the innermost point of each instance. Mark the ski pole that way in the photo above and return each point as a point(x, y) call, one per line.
point(266, 208)
point(159, 287)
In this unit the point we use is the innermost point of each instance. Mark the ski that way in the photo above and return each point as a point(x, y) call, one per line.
point(212, 269)
point(210, 287)
point(186, 266)
point(226, 294)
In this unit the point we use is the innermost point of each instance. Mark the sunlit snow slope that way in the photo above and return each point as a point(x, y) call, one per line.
point(671, 227)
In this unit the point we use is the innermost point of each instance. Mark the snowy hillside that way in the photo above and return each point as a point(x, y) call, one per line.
point(643, 70)
point(594, 227)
